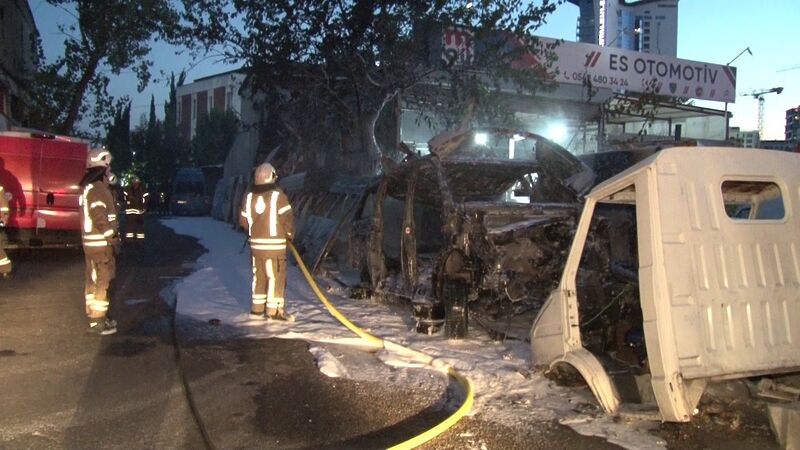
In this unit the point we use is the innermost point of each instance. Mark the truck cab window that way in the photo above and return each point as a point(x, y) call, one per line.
point(752, 200)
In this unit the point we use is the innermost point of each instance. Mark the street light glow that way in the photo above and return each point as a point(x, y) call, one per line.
point(481, 138)
point(557, 132)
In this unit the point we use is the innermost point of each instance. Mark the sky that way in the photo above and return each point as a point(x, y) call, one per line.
point(713, 31)
point(506, 390)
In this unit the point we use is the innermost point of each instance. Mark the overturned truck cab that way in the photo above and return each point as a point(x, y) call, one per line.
point(705, 287)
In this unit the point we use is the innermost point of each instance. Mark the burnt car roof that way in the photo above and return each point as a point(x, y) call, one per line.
point(466, 177)
point(484, 172)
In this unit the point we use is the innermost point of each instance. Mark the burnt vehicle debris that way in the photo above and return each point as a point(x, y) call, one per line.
point(620, 284)
point(480, 225)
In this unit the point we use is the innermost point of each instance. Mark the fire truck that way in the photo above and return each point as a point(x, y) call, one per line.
point(40, 173)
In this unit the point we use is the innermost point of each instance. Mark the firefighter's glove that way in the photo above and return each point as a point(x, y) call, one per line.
point(114, 241)
point(116, 245)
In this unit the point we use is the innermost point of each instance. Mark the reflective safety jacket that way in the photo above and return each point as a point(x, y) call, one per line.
point(4, 211)
point(135, 199)
point(267, 215)
point(98, 215)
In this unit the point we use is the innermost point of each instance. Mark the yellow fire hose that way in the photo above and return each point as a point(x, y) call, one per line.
point(397, 348)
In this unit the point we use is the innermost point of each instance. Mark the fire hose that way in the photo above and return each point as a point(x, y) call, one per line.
point(399, 349)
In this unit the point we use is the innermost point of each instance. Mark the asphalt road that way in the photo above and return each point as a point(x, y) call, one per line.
point(63, 388)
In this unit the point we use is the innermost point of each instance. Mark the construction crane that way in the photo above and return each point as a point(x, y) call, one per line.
point(759, 95)
point(788, 68)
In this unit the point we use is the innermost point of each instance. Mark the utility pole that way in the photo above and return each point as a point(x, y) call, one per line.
point(727, 120)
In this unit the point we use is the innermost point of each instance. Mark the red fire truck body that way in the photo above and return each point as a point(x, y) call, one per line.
point(40, 173)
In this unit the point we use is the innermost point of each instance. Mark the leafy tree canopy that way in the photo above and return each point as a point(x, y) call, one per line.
point(108, 36)
point(216, 132)
point(357, 55)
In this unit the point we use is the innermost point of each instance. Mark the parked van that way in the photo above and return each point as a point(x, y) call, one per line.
point(714, 284)
point(190, 194)
point(41, 172)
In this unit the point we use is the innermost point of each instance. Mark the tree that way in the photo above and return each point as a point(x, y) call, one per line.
point(216, 132)
point(108, 37)
point(118, 138)
point(153, 147)
point(171, 144)
point(357, 56)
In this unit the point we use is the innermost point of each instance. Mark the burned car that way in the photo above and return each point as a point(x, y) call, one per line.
point(481, 223)
point(679, 269)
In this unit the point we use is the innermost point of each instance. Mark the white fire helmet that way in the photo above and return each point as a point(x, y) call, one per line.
point(98, 157)
point(265, 174)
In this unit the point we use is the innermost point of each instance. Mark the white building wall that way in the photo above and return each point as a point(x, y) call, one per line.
point(232, 82)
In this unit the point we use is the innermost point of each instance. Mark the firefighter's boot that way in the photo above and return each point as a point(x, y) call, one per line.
point(257, 316)
point(102, 326)
point(280, 314)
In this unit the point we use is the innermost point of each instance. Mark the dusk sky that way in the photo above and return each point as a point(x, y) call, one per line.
point(712, 31)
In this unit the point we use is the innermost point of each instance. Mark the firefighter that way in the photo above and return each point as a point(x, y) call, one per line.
point(5, 263)
point(135, 198)
point(100, 239)
point(267, 216)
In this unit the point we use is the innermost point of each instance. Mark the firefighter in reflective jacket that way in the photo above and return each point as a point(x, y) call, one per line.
point(135, 197)
point(267, 216)
point(5, 263)
point(100, 239)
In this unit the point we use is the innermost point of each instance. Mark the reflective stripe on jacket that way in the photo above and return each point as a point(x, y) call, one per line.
point(4, 211)
point(135, 199)
point(268, 217)
point(98, 215)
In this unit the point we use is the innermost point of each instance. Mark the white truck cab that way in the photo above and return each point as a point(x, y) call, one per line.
point(717, 237)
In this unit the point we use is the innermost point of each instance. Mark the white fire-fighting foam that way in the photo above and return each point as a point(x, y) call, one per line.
point(506, 390)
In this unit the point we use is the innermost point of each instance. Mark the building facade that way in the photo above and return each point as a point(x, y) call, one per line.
point(198, 98)
point(18, 38)
point(649, 26)
point(792, 132)
point(747, 139)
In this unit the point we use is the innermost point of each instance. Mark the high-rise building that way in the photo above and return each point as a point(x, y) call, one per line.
point(649, 26)
point(793, 124)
